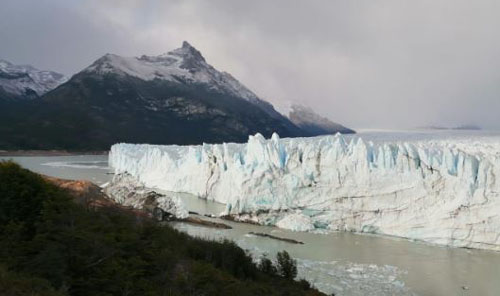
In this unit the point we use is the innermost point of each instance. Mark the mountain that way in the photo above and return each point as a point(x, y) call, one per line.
point(314, 124)
point(184, 65)
point(26, 82)
point(173, 98)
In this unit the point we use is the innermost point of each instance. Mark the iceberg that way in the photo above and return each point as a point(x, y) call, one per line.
point(437, 191)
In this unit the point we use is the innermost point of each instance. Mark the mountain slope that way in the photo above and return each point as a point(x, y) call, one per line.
point(26, 82)
point(174, 98)
point(314, 124)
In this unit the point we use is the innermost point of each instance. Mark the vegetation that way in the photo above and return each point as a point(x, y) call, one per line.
point(267, 267)
point(50, 245)
point(287, 266)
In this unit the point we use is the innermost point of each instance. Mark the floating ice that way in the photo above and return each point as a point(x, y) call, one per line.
point(102, 165)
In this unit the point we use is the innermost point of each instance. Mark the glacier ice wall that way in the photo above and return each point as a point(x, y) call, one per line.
point(443, 192)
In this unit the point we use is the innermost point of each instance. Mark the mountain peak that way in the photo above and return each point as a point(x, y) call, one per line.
point(190, 54)
point(186, 44)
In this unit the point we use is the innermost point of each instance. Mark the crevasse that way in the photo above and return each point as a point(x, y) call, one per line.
point(441, 192)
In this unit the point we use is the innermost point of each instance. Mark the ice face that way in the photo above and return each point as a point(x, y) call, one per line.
point(442, 192)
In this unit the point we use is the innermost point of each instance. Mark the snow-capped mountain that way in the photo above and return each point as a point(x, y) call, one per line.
point(185, 64)
point(172, 98)
point(26, 82)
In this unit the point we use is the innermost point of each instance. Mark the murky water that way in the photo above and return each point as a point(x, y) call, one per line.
point(344, 263)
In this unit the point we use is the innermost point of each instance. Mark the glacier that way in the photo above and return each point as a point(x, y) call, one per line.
point(439, 191)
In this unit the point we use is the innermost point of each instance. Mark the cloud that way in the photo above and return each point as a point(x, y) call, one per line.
point(387, 63)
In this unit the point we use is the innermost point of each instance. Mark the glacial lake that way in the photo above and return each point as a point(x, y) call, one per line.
point(344, 263)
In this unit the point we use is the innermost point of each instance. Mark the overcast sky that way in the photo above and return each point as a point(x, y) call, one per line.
point(370, 64)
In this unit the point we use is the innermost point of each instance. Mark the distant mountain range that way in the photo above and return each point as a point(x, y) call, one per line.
point(26, 82)
point(173, 98)
point(468, 127)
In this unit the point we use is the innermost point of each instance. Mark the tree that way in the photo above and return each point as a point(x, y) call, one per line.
point(287, 267)
point(266, 266)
